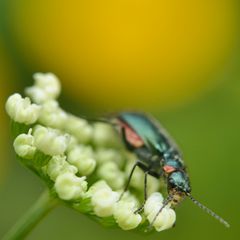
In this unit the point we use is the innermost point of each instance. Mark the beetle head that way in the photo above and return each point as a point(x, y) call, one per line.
point(178, 183)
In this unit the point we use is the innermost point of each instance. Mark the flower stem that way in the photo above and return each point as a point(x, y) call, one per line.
point(41, 207)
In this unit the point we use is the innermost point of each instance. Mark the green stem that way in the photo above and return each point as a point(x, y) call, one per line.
point(41, 207)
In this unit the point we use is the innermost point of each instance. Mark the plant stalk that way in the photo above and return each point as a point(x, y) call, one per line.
point(41, 207)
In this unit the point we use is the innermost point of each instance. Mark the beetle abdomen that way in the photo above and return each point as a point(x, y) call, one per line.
point(153, 136)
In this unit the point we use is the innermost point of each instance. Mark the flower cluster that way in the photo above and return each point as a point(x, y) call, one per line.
point(84, 164)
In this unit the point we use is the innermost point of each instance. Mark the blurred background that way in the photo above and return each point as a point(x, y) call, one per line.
point(178, 60)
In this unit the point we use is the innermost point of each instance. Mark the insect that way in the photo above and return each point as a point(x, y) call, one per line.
point(158, 156)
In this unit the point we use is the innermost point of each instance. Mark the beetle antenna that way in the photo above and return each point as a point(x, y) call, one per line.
point(102, 120)
point(99, 120)
point(209, 211)
point(165, 203)
point(105, 120)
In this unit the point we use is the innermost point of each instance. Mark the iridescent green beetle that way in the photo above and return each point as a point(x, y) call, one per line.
point(157, 155)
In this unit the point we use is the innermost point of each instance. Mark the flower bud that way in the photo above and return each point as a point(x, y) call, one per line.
point(109, 155)
point(125, 216)
point(100, 184)
point(104, 135)
point(137, 177)
point(153, 184)
point(79, 128)
point(72, 143)
point(128, 197)
point(137, 180)
point(70, 187)
point(24, 145)
point(50, 141)
point(21, 110)
point(82, 157)
point(46, 87)
point(152, 201)
point(58, 166)
point(110, 172)
point(103, 200)
point(165, 219)
point(52, 115)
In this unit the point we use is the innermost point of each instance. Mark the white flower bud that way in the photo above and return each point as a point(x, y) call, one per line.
point(152, 201)
point(70, 187)
point(24, 145)
point(137, 180)
point(104, 135)
point(153, 184)
point(46, 87)
point(72, 143)
point(21, 110)
point(108, 155)
point(58, 165)
point(95, 187)
point(79, 128)
point(110, 172)
point(128, 197)
point(37, 94)
point(125, 216)
point(50, 141)
point(52, 115)
point(82, 157)
point(165, 219)
point(103, 200)
point(137, 177)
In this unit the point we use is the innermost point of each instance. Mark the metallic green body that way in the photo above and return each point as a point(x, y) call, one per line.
point(159, 150)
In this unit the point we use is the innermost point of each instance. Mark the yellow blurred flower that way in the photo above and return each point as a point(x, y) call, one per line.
point(127, 54)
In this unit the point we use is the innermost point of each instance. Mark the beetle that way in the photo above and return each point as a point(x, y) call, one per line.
point(158, 155)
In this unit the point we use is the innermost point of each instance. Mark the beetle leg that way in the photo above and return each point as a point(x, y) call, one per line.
point(145, 194)
point(128, 181)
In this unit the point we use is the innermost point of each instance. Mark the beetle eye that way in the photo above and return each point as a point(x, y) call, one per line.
point(171, 181)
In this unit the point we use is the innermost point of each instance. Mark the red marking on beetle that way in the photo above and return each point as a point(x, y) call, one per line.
point(169, 169)
point(131, 136)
